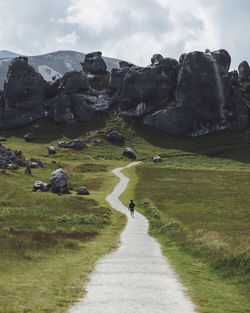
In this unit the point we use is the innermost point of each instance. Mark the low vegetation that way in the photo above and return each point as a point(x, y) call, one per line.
point(197, 202)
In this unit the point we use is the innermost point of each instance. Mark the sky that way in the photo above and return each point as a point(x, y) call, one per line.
point(132, 30)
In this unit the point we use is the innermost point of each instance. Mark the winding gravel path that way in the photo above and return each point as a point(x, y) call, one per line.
point(136, 278)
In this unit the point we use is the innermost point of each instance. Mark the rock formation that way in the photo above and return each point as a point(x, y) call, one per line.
point(94, 63)
point(23, 98)
point(193, 96)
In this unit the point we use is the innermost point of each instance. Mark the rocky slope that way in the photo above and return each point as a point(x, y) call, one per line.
point(193, 96)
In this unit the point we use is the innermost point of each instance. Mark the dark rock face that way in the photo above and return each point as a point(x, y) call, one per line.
point(82, 191)
point(208, 98)
point(74, 82)
point(146, 89)
point(117, 78)
point(59, 181)
point(94, 63)
point(244, 71)
point(76, 144)
point(129, 153)
point(75, 101)
point(24, 95)
point(115, 137)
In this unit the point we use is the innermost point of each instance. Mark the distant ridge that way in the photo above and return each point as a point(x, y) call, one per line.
point(51, 64)
point(7, 54)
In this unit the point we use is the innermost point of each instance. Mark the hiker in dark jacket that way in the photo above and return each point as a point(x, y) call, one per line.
point(131, 208)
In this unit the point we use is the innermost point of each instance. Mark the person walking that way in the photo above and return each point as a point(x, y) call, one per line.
point(131, 208)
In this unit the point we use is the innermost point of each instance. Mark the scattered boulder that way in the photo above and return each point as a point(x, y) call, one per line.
point(94, 63)
point(40, 186)
point(59, 181)
point(33, 163)
point(76, 144)
point(97, 141)
point(51, 150)
point(82, 191)
point(129, 153)
point(157, 159)
point(3, 139)
point(115, 137)
point(28, 137)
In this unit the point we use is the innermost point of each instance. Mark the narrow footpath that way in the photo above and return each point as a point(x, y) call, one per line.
point(136, 278)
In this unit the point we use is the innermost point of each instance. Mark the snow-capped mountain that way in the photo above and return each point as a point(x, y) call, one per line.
point(51, 64)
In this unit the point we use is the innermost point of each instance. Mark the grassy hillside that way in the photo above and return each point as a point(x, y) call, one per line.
point(197, 201)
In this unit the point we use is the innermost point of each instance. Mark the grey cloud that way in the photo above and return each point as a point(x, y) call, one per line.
point(34, 27)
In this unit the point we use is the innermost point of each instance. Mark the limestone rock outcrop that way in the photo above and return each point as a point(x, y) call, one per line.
point(23, 98)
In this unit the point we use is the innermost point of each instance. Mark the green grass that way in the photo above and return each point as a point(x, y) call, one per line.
point(49, 244)
point(197, 202)
point(202, 219)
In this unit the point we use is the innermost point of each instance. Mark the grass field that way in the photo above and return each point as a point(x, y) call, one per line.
point(199, 208)
point(197, 202)
point(49, 244)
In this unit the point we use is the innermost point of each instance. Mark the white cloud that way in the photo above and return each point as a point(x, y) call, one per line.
point(127, 29)
point(69, 39)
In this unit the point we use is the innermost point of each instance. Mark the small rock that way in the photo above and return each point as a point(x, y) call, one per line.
point(82, 191)
point(28, 137)
point(59, 181)
point(51, 150)
point(41, 186)
point(97, 141)
point(76, 144)
point(129, 153)
point(3, 139)
point(157, 159)
point(114, 137)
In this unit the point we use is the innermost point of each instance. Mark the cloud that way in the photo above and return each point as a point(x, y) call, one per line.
point(69, 39)
point(126, 29)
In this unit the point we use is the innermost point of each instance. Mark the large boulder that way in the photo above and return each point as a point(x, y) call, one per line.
point(208, 97)
point(145, 89)
point(94, 63)
point(24, 95)
point(73, 82)
point(129, 153)
point(82, 191)
point(115, 137)
point(244, 71)
point(59, 181)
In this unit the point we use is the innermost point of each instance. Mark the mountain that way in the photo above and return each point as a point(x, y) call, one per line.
point(7, 54)
point(51, 64)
